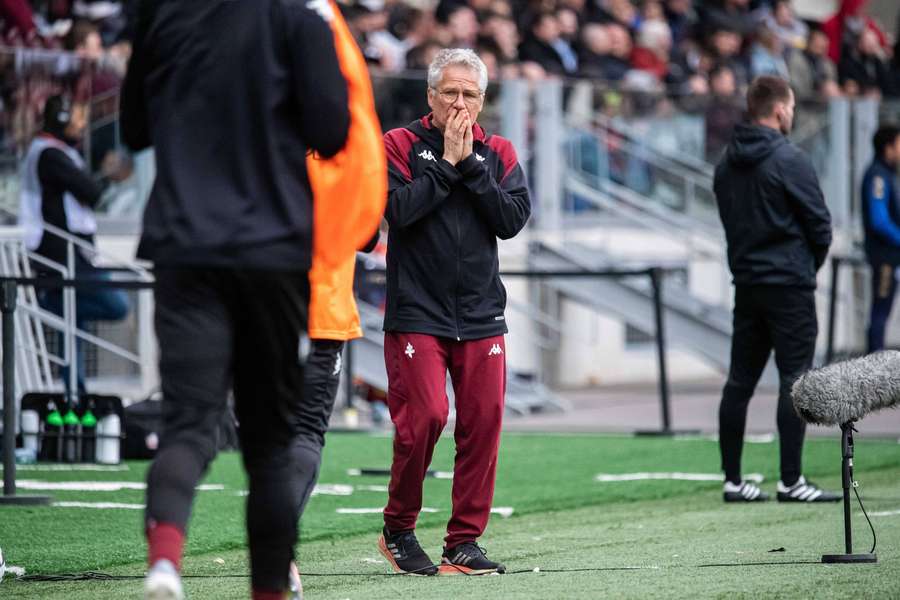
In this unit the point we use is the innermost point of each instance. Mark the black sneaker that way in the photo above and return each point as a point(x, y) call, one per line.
point(744, 491)
point(468, 559)
point(403, 551)
point(805, 491)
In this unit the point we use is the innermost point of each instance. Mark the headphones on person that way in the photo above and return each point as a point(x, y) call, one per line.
point(57, 114)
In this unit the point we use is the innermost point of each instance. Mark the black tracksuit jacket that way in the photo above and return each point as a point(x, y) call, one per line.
point(777, 226)
point(232, 95)
point(442, 266)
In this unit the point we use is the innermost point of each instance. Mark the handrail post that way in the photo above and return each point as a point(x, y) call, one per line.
point(8, 306)
point(8, 293)
point(832, 308)
point(656, 282)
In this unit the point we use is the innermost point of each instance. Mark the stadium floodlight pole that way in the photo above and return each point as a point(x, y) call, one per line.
point(8, 308)
point(847, 477)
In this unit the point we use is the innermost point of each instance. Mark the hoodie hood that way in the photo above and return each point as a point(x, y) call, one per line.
point(752, 144)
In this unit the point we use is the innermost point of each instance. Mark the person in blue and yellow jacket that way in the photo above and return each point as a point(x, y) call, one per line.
point(881, 219)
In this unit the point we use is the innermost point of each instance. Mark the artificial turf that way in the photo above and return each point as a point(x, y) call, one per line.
point(563, 519)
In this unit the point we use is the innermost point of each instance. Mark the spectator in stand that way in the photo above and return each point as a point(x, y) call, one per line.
point(568, 26)
point(724, 111)
point(594, 51)
point(621, 12)
point(782, 21)
point(863, 70)
point(544, 46)
point(812, 73)
point(893, 87)
point(651, 53)
point(502, 29)
point(725, 48)
point(457, 25)
point(17, 18)
point(733, 15)
point(767, 55)
point(845, 26)
point(681, 18)
point(607, 51)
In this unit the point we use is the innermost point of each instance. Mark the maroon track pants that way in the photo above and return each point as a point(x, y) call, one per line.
point(417, 366)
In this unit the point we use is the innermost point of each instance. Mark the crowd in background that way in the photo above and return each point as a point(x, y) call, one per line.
point(701, 49)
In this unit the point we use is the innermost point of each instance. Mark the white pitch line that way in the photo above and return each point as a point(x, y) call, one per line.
point(504, 511)
point(332, 489)
point(617, 477)
point(72, 467)
point(372, 488)
point(96, 486)
point(884, 513)
point(104, 505)
point(375, 511)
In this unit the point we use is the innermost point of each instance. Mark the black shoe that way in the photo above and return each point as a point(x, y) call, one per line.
point(744, 491)
point(403, 551)
point(468, 559)
point(805, 491)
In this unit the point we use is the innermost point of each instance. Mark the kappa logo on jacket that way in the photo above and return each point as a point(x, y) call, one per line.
point(495, 349)
point(409, 350)
point(427, 155)
point(479, 157)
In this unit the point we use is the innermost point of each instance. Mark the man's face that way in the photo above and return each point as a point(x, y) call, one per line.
point(547, 30)
point(784, 112)
point(457, 90)
point(818, 44)
point(463, 26)
point(77, 122)
point(892, 153)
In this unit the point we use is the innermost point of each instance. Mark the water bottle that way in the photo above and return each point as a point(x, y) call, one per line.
point(71, 442)
point(109, 429)
point(53, 425)
point(31, 427)
point(89, 435)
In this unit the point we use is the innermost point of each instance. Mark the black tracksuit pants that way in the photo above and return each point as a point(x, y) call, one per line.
point(766, 318)
point(244, 329)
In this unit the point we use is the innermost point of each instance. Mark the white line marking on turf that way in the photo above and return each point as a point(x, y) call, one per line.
point(759, 438)
point(372, 488)
point(375, 511)
point(96, 486)
point(104, 505)
point(615, 477)
point(503, 511)
point(332, 489)
point(884, 513)
point(74, 467)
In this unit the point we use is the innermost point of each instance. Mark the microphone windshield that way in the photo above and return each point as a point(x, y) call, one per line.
point(848, 391)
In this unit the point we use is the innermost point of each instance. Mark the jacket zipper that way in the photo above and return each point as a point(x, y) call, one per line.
point(458, 261)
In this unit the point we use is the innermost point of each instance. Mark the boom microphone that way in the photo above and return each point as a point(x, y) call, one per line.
point(848, 391)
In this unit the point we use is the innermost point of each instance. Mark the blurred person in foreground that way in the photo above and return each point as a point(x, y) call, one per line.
point(454, 191)
point(881, 221)
point(778, 231)
point(232, 230)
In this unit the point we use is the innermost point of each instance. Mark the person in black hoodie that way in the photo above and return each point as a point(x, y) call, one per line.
point(778, 232)
point(233, 96)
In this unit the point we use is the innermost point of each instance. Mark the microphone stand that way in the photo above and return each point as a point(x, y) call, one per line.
point(847, 430)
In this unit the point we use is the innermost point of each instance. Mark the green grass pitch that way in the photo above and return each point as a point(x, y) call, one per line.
point(638, 539)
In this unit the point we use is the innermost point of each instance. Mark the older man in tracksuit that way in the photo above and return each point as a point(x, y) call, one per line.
point(454, 190)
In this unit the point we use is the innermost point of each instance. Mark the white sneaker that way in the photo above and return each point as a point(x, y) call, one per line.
point(163, 582)
point(296, 586)
point(745, 491)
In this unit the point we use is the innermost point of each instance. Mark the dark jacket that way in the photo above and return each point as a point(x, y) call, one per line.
point(59, 175)
point(442, 267)
point(881, 213)
point(232, 95)
point(542, 53)
point(777, 226)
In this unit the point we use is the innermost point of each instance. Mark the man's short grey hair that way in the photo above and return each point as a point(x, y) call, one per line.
point(457, 57)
